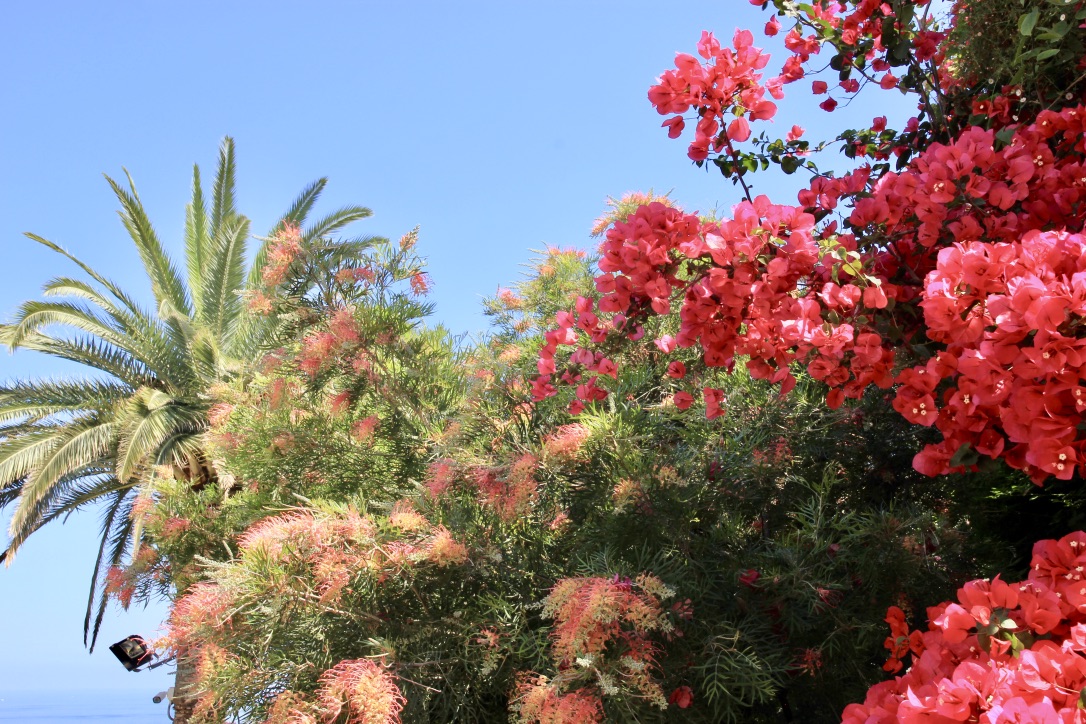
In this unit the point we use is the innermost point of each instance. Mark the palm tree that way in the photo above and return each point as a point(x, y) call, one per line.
point(67, 444)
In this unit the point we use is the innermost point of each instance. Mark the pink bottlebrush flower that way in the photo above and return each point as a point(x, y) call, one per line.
point(443, 550)
point(539, 702)
point(362, 430)
point(420, 283)
point(439, 476)
point(198, 614)
point(406, 518)
point(567, 440)
point(340, 403)
point(120, 586)
point(271, 535)
point(365, 689)
point(141, 507)
point(219, 414)
point(343, 326)
point(173, 527)
point(260, 303)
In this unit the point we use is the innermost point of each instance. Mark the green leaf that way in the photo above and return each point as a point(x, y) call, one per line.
point(904, 12)
point(789, 164)
point(1046, 54)
point(965, 455)
point(1027, 22)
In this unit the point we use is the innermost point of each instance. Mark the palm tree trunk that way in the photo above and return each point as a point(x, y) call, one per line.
point(184, 702)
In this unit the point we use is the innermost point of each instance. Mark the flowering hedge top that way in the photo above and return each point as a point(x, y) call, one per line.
point(959, 277)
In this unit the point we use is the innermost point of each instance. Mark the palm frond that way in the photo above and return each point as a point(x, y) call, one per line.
point(166, 284)
point(93, 353)
point(222, 304)
point(147, 338)
point(196, 240)
point(74, 450)
point(222, 201)
point(148, 345)
point(105, 282)
point(42, 399)
point(150, 418)
point(34, 315)
point(116, 525)
point(80, 490)
point(335, 221)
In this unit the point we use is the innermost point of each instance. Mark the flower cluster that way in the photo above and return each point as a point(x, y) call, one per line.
point(538, 701)
point(511, 489)
point(284, 249)
point(341, 341)
point(603, 634)
point(1005, 652)
point(727, 84)
point(362, 690)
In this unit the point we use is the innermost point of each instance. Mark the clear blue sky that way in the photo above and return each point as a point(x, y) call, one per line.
point(497, 127)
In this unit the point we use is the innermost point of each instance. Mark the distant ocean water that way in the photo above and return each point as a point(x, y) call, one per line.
point(67, 707)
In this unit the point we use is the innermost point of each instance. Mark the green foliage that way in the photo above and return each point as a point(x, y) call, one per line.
point(784, 529)
point(1032, 44)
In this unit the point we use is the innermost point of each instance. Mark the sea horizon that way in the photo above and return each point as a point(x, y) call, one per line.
point(71, 705)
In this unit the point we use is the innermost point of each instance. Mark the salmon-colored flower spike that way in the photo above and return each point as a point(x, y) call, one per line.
point(566, 442)
point(362, 430)
point(509, 490)
point(343, 326)
point(405, 517)
point(439, 477)
point(218, 415)
point(120, 586)
point(443, 550)
point(291, 708)
point(364, 690)
point(198, 615)
point(420, 283)
point(537, 701)
point(271, 535)
point(286, 246)
point(591, 612)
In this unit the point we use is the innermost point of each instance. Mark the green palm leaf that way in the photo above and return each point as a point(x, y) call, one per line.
point(222, 202)
point(116, 525)
point(69, 444)
point(196, 240)
point(166, 284)
point(222, 304)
